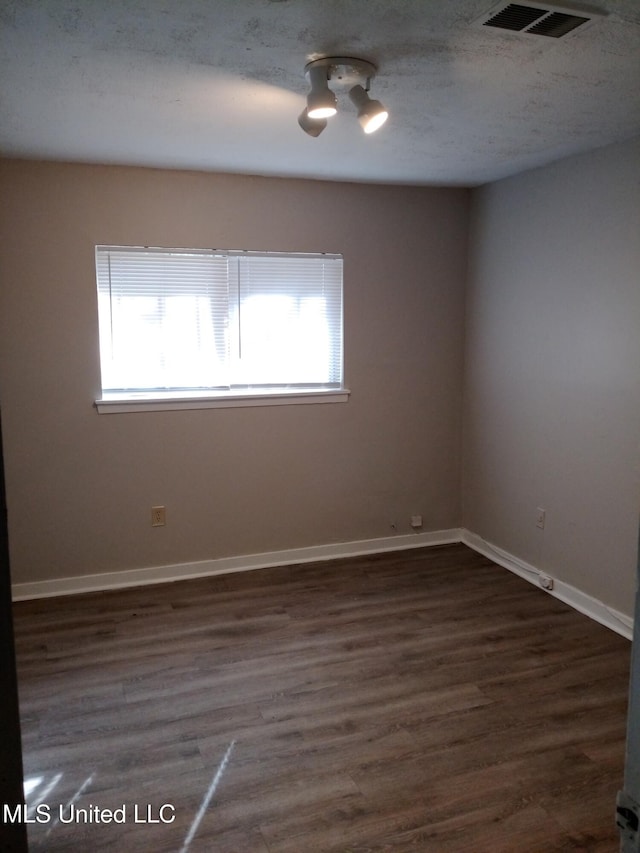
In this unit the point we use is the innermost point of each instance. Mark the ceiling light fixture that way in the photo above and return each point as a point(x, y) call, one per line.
point(321, 102)
point(371, 114)
point(353, 75)
point(312, 126)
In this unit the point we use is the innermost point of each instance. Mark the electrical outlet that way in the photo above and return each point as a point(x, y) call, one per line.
point(158, 516)
point(541, 516)
point(416, 521)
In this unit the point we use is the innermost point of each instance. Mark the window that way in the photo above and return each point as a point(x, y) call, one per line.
point(217, 327)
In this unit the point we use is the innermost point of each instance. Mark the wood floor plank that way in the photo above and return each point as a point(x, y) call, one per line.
point(424, 700)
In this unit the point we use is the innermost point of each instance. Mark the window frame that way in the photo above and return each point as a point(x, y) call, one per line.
point(112, 401)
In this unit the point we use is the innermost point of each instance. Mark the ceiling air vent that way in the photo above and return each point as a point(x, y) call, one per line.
point(536, 19)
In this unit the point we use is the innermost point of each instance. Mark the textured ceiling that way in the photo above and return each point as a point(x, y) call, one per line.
point(218, 85)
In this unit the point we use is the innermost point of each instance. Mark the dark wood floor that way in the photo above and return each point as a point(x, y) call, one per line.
point(425, 700)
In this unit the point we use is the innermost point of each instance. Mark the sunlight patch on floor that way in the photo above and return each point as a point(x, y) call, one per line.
point(207, 798)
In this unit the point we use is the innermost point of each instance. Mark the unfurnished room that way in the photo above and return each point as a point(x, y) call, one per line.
point(320, 420)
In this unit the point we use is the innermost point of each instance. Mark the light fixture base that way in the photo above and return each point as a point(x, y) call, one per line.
point(345, 71)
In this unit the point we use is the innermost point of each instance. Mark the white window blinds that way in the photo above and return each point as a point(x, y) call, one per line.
point(211, 321)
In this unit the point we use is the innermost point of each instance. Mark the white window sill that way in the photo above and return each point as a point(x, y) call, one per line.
point(145, 402)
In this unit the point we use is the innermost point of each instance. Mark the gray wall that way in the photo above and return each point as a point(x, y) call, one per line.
point(552, 377)
point(234, 481)
point(551, 386)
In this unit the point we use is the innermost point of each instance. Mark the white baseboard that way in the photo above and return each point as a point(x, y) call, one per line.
point(226, 565)
point(592, 607)
point(586, 604)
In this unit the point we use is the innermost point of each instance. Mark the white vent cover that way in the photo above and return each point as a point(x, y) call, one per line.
point(537, 19)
